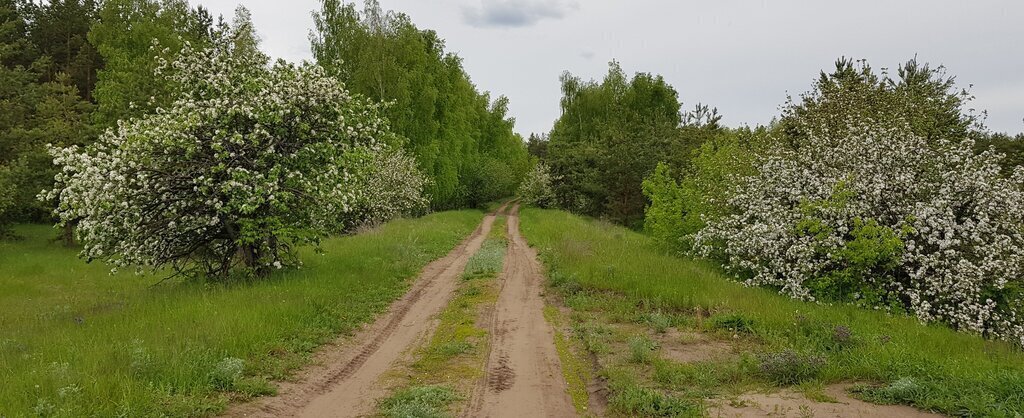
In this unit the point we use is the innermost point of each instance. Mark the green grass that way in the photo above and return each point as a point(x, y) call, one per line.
point(77, 341)
point(903, 361)
point(575, 369)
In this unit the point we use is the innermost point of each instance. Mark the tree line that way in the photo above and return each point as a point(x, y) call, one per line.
point(74, 69)
point(874, 188)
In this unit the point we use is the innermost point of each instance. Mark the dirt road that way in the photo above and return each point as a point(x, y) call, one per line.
point(347, 382)
point(523, 376)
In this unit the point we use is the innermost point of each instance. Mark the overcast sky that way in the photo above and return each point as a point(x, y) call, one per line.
point(740, 56)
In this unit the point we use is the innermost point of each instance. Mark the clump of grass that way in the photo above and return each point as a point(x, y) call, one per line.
point(642, 350)
point(420, 402)
point(489, 259)
point(631, 399)
point(789, 367)
point(901, 390)
point(227, 372)
point(659, 321)
point(733, 322)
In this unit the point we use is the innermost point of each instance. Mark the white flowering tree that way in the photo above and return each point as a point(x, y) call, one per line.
point(879, 216)
point(386, 184)
point(250, 161)
point(536, 187)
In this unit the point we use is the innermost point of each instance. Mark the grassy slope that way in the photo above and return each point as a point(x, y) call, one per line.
point(951, 372)
point(76, 341)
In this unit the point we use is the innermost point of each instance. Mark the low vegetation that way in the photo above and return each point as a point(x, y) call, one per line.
point(624, 288)
point(76, 341)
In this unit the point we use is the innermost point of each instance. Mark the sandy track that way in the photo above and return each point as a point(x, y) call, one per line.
point(347, 381)
point(523, 376)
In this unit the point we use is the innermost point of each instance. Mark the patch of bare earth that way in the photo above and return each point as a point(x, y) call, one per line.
point(787, 403)
point(346, 378)
point(523, 375)
point(691, 347)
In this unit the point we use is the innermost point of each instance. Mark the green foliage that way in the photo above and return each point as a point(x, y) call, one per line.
point(686, 193)
point(59, 30)
point(462, 138)
point(663, 219)
point(133, 37)
point(1011, 147)
point(925, 98)
point(609, 137)
point(39, 105)
point(873, 251)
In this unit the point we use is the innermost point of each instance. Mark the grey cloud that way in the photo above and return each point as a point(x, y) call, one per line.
point(515, 13)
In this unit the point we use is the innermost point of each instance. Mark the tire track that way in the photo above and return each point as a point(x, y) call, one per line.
point(523, 371)
point(348, 382)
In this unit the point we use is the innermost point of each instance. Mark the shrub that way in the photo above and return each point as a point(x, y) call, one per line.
point(250, 161)
point(879, 216)
point(789, 367)
point(536, 188)
point(227, 372)
point(641, 349)
point(386, 184)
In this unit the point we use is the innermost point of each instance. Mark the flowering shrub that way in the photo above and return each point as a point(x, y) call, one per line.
point(386, 184)
point(877, 216)
point(249, 161)
point(536, 187)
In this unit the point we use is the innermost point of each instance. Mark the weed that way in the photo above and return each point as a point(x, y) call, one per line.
point(734, 323)
point(631, 399)
point(659, 321)
point(789, 367)
point(419, 402)
point(641, 349)
point(227, 372)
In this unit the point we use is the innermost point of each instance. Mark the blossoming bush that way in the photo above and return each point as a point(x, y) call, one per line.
point(536, 187)
point(250, 160)
point(880, 216)
point(386, 184)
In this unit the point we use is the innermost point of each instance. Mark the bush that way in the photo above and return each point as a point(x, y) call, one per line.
point(249, 162)
point(227, 372)
point(882, 217)
point(789, 367)
point(535, 189)
point(386, 184)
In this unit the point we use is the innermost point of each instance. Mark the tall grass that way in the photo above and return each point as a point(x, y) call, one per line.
point(949, 371)
point(76, 341)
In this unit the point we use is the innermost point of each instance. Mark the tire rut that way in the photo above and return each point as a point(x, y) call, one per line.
point(523, 373)
point(347, 382)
